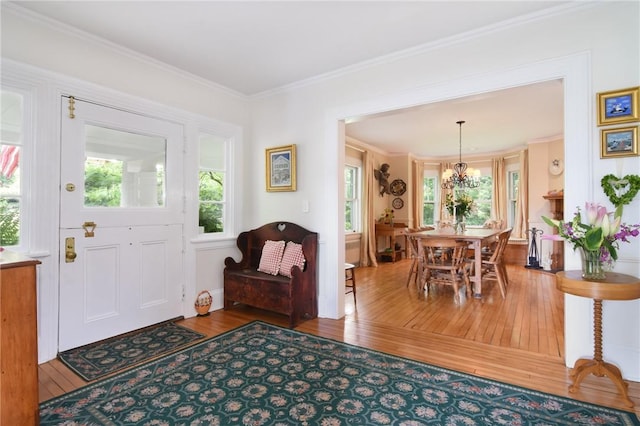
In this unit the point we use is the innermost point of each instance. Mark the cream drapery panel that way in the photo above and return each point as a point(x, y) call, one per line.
point(418, 196)
point(367, 243)
point(522, 203)
point(443, 194)
point(499, 196)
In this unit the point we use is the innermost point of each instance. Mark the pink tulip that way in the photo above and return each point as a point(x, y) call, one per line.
point(595, 213)
point(614, 225)
point(605, 224)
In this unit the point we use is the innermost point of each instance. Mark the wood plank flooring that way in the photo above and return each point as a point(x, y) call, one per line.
point(518, 340)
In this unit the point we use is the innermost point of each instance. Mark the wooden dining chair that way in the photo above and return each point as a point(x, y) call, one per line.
point(444, 263)
point(493, 267)
point(413, 242)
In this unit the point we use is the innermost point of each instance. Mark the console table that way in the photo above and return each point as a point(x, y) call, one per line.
point(614, 287)
point(390, 233)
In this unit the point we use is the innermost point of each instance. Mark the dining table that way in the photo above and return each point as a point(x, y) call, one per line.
point(477, 238)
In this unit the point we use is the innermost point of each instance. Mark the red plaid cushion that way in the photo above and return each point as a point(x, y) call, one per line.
point(292, 256)
point(271, 257)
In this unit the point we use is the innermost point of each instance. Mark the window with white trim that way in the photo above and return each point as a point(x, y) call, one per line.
point(212, 183)
point(513, 186)
point(12, 168)
point(430, 200)
point(352, 196)
point(482, 196)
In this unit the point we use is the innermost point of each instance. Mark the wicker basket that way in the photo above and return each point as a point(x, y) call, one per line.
point(203, 302)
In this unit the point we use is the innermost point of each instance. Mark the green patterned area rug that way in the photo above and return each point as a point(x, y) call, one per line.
point(108, 356)
point(261, 374)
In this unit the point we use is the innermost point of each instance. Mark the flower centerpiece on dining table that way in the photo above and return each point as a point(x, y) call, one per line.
point(460, 208)
point(597, 233)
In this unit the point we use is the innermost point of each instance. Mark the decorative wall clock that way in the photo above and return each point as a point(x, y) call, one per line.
point(397, 203)
point(398, 187)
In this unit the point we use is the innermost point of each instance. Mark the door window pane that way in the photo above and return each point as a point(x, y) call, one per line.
point(123, 169)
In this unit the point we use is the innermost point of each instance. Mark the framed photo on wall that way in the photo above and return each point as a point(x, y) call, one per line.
point(281, 168)
point(619, 106)
point(619, 142)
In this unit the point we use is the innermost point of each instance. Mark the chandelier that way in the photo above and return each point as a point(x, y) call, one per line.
point(461, 176)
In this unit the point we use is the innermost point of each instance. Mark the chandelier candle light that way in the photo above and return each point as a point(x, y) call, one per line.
point(461, 176)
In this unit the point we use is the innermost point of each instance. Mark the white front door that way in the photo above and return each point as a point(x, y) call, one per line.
point(121, 222)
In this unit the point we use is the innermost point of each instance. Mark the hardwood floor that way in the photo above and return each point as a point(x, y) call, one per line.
point(518, 340)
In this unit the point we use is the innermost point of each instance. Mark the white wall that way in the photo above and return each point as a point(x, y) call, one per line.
point(47, 63)
point(594, 47)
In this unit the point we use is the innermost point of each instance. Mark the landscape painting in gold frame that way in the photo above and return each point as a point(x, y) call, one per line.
point(618, 106)
point(281, 168)
point(619, 142)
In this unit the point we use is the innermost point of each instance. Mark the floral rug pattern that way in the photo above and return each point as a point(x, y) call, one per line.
point(105, 357)
point(261, 374)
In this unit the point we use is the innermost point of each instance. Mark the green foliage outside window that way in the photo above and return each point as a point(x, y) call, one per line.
point(9, 222)
point(482, 199)
point(350, 188)
point(429, 200)
point(102, 183)
point(211, 196)
point(10, 209)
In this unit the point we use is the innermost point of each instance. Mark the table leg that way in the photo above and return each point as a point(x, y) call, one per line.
point(597, 366)
point(477, 279)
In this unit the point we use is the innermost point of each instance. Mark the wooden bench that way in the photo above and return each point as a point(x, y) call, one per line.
point(295, 297)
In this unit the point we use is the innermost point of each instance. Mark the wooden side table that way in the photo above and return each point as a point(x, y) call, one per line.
point(614, 287)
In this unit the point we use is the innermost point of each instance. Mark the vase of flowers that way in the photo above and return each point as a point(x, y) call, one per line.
point(592, 266)
point(597, 235)
point(460, 208)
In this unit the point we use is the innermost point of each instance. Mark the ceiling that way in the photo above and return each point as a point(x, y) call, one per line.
point(253, 47)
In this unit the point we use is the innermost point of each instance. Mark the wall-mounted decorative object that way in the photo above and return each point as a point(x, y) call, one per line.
point(397, 203)
point(619, 142)
point(556, 167)
point(398, 187)
point(622, 190)
point(382, 176)
point(618, 106)
point(281, 168)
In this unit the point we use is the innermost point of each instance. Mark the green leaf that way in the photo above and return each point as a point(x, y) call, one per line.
point(551, 222)
point(612, 250)
point(593, 238)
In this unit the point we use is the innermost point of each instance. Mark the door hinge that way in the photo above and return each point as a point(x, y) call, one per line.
point(72, 107)
point(184, 292)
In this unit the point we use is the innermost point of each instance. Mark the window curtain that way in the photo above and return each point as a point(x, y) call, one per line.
point(367, 244)
point(444, 192)
point(522, 203)
point(499, 196)
point(418, 196)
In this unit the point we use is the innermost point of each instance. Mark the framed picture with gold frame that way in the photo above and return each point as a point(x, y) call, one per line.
point(618, 106)
point(619, 142)
point(281, 168)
